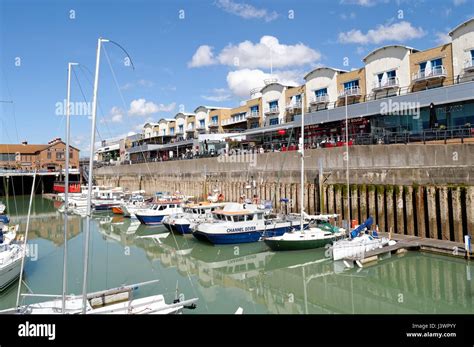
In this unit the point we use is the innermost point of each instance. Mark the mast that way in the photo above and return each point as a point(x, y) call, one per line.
point(347, 170)
point(302, 164)
point(25, 242)
point(89, 183)
point(66, 184)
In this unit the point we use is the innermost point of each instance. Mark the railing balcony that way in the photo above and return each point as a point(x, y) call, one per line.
point(190, 130)
point(272, 110)
point(200, 127)
point(235, 119)
point(320, 99)
point(469, 65)
point(293, 106)
point(213, 125)
point(179, 132)
point(352, 91)
point(390, 83)
point(253, 115)
point(427, 74)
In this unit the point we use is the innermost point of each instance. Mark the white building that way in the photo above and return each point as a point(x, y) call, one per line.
point(150, 130)
point(463, 51)
point(273, 103)
point(321, 87)
point(387, 70)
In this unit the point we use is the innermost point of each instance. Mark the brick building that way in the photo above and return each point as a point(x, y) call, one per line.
point(51, 156)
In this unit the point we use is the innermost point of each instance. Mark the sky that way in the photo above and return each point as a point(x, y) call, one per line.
point(184, 54)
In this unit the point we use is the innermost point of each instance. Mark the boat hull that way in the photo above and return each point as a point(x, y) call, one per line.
point(181, 228)
point(4, 219)
point(10, 273)
point(244, 237)
point(149, 220)
point(117, 210)
point(297, 245)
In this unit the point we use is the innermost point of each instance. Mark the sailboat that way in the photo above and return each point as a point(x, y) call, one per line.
point(110, 301)
point(304, 238)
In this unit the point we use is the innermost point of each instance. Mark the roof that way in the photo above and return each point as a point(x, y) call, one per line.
point(27, 149)
point(461, 25)
point(323, 68)
point(211, 108)
point(388, 46)
point(272, 84)
point(14, 148)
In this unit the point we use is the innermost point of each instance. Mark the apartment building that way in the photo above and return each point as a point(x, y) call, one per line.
point(438, 81)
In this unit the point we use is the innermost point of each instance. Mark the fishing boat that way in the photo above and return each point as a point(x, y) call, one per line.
point(180, 223)
point(132, 205)
point(361, 241)
point(242, 223)
point(155, 214)
point(303, 238)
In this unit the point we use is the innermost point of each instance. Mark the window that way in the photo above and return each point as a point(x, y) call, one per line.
point(214, 119)
point(59, 155)
point(254, 109)
point(48, 155)
point(321, 92)
point(202, 123)
point(390, 75)
point(7, 157)
point(351, 84)
point(171, 131)
point(273, 104)
point(163, 132)
point(273, 121)
point(70, 154)
point(181, 128)
point(297, 98)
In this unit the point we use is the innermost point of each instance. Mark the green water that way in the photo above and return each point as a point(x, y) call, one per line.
point(227, 277)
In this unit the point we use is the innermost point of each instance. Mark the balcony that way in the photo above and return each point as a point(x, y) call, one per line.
point(390, 83)
point(469, 65)
point(350, 92)
point(190, 130)
point(179, 132)
point(213, 125)
point(235, 119)
point(272, 111)
point(294, 106)
point(436, 72)
point(253, 115)
point(320, 99)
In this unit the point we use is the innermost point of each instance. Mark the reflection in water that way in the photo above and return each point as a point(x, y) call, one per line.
point(247, 275)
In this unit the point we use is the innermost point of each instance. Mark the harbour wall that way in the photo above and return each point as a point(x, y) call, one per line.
point(416, 189)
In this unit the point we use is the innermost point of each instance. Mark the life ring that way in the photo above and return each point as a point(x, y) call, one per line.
point(220, 197)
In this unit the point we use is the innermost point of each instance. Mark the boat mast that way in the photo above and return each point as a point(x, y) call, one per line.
point(66, 184)
point(89, 183)
point(347, 169)
point(302, 164)
point(25, 241)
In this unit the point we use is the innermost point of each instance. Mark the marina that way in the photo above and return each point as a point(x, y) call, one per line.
point(226, 277)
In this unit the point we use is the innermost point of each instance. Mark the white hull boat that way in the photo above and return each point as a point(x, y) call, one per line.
point(357, 247)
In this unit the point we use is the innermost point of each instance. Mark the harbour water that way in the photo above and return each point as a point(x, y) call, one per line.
point(224, 278)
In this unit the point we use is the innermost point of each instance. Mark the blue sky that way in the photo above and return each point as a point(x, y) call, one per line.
point(210, 54)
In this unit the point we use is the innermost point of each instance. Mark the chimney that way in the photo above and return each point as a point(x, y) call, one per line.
point(24, 142)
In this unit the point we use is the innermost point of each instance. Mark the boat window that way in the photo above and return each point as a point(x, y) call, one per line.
point(259, 216)
point(171, 206)
point(239, 218)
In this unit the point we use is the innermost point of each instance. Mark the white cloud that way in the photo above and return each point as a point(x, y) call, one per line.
point(246, 11)
point(141, 107)
point(459, 2)
point(219, 95)
point(240, 82)
point(442, 38)
point(202, 57)
point(140, 83)
point(260, 55)
point(116, 115)
point(398, 32)
point(364, 3)
point(346, 16)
